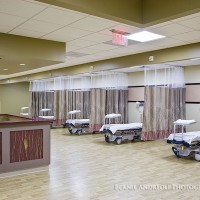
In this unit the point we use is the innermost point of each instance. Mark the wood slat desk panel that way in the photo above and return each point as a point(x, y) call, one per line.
point(0, 148)
point(25, 143)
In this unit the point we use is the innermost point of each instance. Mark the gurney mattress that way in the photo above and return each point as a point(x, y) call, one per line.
point(189, 137)
point(47, 117)
point(77, 121)
point(121, 127)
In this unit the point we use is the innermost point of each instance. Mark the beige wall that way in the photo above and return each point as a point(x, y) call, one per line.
point(192, 74)
point(13, 97)
point(136, 78)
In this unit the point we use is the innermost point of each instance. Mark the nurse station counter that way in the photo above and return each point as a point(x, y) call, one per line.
point(24, 143)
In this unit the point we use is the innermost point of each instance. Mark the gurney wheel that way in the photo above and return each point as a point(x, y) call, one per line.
point(197, 156)
point(79, 132)
point(118, 141)
point(70, 131)
point(176, 152)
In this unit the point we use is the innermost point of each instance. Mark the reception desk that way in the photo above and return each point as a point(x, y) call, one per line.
point(24, 143)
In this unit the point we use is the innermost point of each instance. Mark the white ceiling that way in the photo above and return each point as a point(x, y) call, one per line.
point(87, 37)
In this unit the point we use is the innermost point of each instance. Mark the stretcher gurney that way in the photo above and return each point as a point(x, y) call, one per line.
point(119, 132)
point(43, 115)
point(24, 111)
point(77, 126)
point(185, 144)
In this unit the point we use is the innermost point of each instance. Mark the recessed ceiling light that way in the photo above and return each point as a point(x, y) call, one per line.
point(22, 64)
point(144, 36)
point(195, 59)
point(5, 69)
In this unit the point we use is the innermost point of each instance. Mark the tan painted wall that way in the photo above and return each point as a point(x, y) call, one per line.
point(13, 97)
point(192, 74)
point(136, 78)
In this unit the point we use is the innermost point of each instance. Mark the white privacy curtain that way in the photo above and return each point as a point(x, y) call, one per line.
point(71, 93)
point(41, 96)
point(109, 80)
point(81, 83)
point(95, 95)
point(164, 100)
point(109, 94)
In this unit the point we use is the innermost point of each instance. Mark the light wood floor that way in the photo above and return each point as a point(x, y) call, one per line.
point(86, 168)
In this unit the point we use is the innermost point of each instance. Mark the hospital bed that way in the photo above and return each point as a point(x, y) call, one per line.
point(76, 126)
point(24, 111)
point(185, 144)
point(120, 132)
point(44, 115)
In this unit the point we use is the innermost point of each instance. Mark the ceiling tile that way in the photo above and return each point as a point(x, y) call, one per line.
point(71, 48)
point(20, 8)
point(114, 51)
point(5, 29)
point(68, 10)
point(69, 58)
point(186, 17)
point(81, 43)
point(94, 24)
point(158, 25)
point(97, 37)
point(87, 51)
point(56, 37)
point(192, 41)
point(66, 34)
point(103, 47)
point(107, 55)
point(35, 25)
point(174, 44)
point(37, 2)
point(171, 29)
point(58, 16)
point(75, 54)
point(189, 36)
point(10, 20)
point(111, 43)
point(27, 33)
point(107, 31)
point(164, 41)
point(193, 23)
point(143, 46)
point(130, 42)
